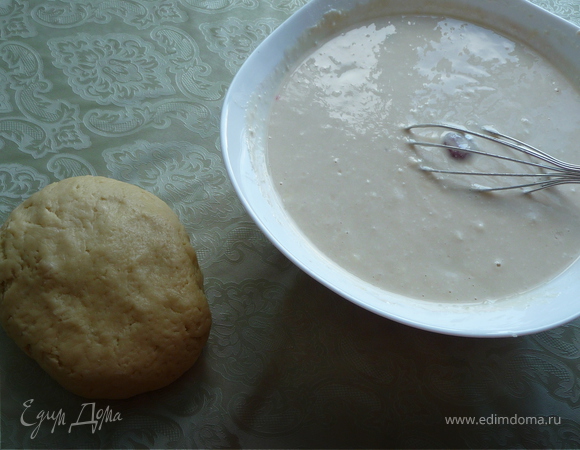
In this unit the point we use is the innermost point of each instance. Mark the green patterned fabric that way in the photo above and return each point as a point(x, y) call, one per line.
point(132, 89)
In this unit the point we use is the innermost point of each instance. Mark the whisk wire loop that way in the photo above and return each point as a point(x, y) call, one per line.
point(558, 171)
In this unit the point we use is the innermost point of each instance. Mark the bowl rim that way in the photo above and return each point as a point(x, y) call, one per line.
point(248, 97)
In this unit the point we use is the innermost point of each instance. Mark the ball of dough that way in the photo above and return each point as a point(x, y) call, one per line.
point(100, 285)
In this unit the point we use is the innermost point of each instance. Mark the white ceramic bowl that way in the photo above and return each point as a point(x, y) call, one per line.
point(244, 123)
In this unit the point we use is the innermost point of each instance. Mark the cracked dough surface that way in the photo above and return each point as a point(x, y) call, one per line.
point(100, 285)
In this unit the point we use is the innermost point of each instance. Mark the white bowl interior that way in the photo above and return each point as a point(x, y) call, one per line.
point(244, 124)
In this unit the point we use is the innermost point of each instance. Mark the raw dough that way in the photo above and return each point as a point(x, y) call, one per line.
point(100, 285)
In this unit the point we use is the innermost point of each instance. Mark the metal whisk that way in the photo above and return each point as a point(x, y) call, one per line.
point(459, 143)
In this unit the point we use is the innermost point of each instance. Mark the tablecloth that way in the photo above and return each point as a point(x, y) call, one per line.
point(132, 89)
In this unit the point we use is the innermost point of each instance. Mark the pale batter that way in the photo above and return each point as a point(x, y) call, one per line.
point(340, 160)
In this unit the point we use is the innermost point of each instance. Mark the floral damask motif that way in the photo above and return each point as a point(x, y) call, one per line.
point(562, 341)
point(332, 401)
point(117, 69)
point(188, 177)
point(5, 102)
point(191, 73)
point(219, 5)
point(246, 236)
point(288, 6)
point(242, 327)
point(138, 68)
point(45, 126)
point(65, 166)
point(234, 39)
point(558, 379)
point(234, 240)
point(163, 432)
point(141, 14)
point(15, 20)
point(17, 183)
point(563, 8)
point(463, 385)
point(564, 435)
point(270, 413)
point(202, 405)
point(196, 117)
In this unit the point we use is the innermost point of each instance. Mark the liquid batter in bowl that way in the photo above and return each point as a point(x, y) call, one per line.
point(340, 162)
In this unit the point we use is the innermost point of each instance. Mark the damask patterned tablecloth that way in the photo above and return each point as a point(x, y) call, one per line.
point(132, 89)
